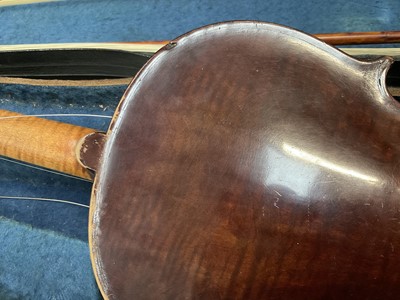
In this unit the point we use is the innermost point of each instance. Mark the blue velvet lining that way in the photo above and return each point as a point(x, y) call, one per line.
point(126, 20)
point(38, 264)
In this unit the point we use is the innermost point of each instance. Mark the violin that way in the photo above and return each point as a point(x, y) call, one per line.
point(246, 160)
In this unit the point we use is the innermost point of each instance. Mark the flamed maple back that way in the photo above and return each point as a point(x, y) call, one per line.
point(250, 161)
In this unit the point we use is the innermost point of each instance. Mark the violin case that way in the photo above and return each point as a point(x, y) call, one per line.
point(43, 214)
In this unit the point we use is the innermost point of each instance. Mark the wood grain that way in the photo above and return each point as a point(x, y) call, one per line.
point(250, 161)
point(42, 142)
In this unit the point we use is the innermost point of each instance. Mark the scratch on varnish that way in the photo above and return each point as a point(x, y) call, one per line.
point(277, 198)
point(276, 202)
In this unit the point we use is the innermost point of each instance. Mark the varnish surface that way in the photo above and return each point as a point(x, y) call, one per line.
point(250, 161)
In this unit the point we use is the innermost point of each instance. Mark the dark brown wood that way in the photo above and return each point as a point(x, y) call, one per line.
point(90, 150)
point(250, 161)
point(357, 38)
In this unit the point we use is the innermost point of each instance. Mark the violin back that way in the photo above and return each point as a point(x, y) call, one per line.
point(250, 161)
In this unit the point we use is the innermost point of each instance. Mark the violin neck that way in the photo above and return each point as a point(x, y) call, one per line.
point(46, 143)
